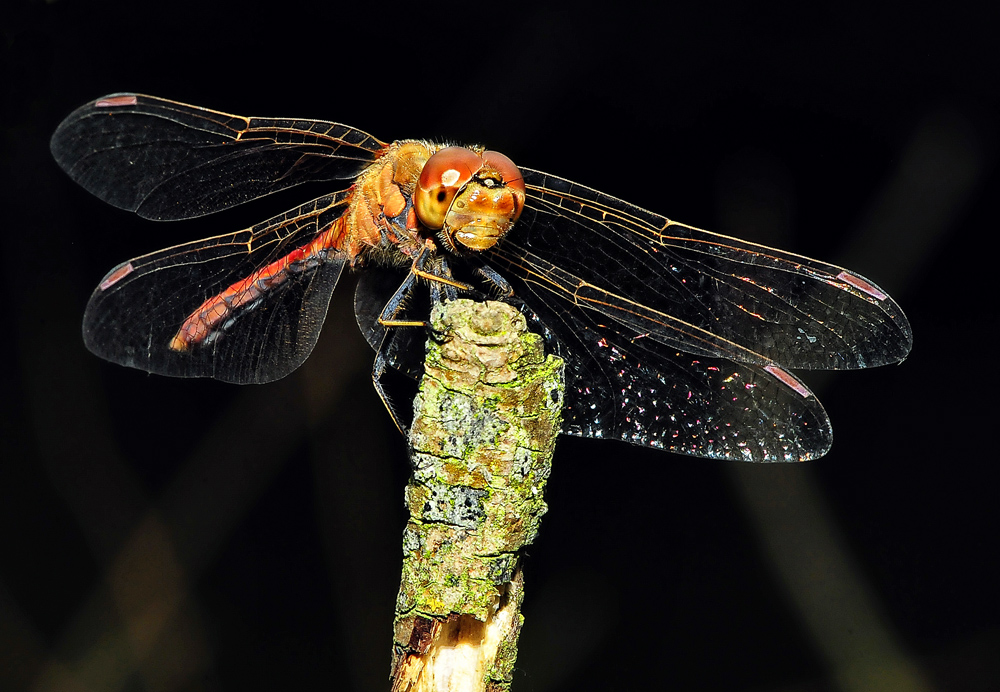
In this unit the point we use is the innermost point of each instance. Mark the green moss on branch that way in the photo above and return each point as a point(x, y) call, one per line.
point(484, 430)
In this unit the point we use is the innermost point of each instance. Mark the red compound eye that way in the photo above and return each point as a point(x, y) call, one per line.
point(511, 177)
point(442, 177)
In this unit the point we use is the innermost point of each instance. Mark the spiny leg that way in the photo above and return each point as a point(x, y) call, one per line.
point(494, 278)
point(442, 288)
point(387, 318)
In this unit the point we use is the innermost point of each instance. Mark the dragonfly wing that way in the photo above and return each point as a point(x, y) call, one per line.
point(635, 390)
point(694, 290)
point(679, 338)
point(640, 392)
point(402, 347)
point(266, 329)
point(166, 160)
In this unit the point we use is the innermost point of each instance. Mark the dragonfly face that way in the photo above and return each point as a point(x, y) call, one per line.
point(472, 198)
point(673, 337)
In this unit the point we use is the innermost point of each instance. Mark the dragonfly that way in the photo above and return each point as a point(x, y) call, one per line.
point(673, 337)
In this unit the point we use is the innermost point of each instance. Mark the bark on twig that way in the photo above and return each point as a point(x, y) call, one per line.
point(485, 424)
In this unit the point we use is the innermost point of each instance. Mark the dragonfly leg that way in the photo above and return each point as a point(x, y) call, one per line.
point(387, 318)
point(442, 291)
point(440, 274)
point(494, 277)
point(442, 288)
point(379, 368)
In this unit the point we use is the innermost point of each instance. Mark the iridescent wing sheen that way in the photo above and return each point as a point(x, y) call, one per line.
point(701, 292)
point(638, 391)
point(138, 308)
point(680, 338)
point(166, 160)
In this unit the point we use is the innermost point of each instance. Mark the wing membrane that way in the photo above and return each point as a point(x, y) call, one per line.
point(701, 291)
point(678, 338)
point(637, 391)
point(166, 160)
point(135, 313)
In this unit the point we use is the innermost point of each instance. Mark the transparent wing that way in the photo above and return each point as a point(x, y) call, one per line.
point(166, 160)
point(697, 291)
point(679, 338)
point(639, 391)
point(262, 294)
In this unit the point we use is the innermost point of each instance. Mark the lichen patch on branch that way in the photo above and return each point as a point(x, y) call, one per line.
point(484, 430)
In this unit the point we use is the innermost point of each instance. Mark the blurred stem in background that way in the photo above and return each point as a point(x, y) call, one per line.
point(809, 555)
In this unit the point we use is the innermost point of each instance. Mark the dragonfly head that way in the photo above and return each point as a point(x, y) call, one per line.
point(472, 199)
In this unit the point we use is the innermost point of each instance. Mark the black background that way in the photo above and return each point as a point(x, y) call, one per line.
point(164, 534)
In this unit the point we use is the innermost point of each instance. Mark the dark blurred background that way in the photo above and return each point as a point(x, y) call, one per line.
point(160, 534)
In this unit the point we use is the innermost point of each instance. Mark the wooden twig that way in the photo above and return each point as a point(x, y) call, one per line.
point(484, 430)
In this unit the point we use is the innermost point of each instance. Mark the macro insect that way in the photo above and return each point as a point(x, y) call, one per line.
point(674, 337)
